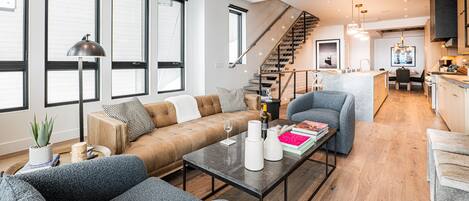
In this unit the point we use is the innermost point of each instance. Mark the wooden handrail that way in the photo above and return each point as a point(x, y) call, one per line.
point(260, 37)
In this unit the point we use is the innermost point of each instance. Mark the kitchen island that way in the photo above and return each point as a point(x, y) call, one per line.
point(369, 88)
point(453, 101)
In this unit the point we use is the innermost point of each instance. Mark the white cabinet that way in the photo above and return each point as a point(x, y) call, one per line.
point(453, 105)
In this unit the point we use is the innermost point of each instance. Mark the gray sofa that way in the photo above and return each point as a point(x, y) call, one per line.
point(332, 107)
point(113, 178)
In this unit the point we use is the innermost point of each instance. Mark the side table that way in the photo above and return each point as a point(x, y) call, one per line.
point(65, 158)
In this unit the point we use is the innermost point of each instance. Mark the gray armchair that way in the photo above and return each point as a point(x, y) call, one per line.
point(117, 178)
point(332, 107)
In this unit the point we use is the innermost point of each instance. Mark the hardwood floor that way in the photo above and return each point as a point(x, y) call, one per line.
point(387, 162)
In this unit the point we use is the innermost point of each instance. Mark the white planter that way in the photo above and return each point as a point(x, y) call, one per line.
point(273, 150)
point(40, 155)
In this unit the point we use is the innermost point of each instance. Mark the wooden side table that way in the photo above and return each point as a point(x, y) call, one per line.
point(65, 158)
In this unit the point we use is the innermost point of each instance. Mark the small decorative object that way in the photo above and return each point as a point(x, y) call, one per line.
point(254, 147)
point(228, 127)
point(273, 150)
point(79, 151)
point(41, 152)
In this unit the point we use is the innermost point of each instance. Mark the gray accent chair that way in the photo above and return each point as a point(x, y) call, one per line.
point(332, 107)
point(121, 177)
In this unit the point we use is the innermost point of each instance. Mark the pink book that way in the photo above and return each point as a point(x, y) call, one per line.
point(293, 140)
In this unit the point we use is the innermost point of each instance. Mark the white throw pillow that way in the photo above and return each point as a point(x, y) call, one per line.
point(186, 108)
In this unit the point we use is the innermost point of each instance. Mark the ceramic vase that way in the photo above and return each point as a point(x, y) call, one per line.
point(273, 150)
point(40, 155)
point(254, 147)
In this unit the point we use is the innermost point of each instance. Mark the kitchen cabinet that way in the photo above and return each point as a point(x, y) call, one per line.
point(443, 20)
point(453, 105)
point(463, 29)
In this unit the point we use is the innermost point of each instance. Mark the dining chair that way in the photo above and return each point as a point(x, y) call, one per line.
point(403, 77)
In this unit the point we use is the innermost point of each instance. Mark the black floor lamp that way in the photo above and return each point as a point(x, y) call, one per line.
point(84, 48)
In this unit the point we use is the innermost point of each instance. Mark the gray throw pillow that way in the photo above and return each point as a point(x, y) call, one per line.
point(134, 115)
point(13, 189)
point(231, 100)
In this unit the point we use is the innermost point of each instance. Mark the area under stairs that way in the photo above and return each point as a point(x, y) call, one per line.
point(283, 53)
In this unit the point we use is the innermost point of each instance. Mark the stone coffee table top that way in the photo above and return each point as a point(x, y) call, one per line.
point(228, 163)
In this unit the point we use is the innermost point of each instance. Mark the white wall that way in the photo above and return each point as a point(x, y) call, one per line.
point(206, 46)
point(259, 17)
point(306, 58)
point(382, 49)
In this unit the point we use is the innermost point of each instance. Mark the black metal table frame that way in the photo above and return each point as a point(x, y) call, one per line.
point(284, 179)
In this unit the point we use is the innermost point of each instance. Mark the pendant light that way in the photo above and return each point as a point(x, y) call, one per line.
point(364, 34)
point(352, 28)
point(359, 33)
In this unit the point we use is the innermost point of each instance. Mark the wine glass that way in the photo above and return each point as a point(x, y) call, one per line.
point(228, 126)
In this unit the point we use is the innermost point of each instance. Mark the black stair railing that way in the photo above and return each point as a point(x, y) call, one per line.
point(293, 74)
point(260, 37)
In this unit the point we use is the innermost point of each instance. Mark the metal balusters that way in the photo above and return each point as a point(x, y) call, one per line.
point(304, 27)
point(306, 82)
point(260, 82)
point(280, 86)
point(278, 58)
point(294, 83)
point(292, 45)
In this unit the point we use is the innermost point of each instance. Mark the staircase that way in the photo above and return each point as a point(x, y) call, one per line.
point(282, 54)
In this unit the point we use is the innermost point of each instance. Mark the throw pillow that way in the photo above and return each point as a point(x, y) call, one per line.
point(231, 100)
point(134, 115)
point(13, 189)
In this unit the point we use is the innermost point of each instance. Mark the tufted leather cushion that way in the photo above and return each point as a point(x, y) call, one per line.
point(166, 145)
point(162, 113)
point(208, 105)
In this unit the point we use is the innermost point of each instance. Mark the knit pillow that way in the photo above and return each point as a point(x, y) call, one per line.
point(13, 189)
point(134, 115)
point(231, 100)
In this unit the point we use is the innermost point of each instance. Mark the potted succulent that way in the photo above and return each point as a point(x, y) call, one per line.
point(41, 151)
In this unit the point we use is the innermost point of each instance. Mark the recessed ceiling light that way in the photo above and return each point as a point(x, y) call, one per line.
point(292, 16)
point(338, 10)
point(347, 16)
point(406, 16)
point(405, 1)
point(260, 53)
point(406, 9)
point(273, 39)
point(283, 27)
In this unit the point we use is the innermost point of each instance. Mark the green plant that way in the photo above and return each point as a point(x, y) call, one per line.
point(42, 131)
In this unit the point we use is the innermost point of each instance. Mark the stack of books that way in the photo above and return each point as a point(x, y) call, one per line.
point(31, 168)
point(296, 143)
point(303, 136)
point(316, 130)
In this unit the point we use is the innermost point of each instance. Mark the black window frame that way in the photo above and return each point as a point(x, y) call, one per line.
point(136, 64)
point(71, 65)
point(20, 66)
point(239, 12)
point(177, 65)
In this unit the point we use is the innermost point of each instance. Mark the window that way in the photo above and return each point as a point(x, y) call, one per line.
point(129, 48)
point(67, 21)
point(236, 31)
point(13, 57)
point(170, 46)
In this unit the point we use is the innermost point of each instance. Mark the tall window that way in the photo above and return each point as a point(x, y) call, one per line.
point(13, 56)
point(67, 21)
point(129, 48)
point(236, 31)
point(170, 46)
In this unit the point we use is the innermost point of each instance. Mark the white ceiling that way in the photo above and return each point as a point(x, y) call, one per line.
point(340, 11)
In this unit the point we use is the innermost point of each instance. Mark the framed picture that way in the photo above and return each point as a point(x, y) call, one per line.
point(403, 58)
point(328, 54)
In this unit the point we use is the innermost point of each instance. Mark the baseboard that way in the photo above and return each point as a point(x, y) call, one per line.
point(24, 143)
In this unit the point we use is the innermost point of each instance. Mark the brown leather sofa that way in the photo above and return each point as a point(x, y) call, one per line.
point(163, 148)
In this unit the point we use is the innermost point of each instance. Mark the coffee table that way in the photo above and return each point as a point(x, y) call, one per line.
point(227, 165)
